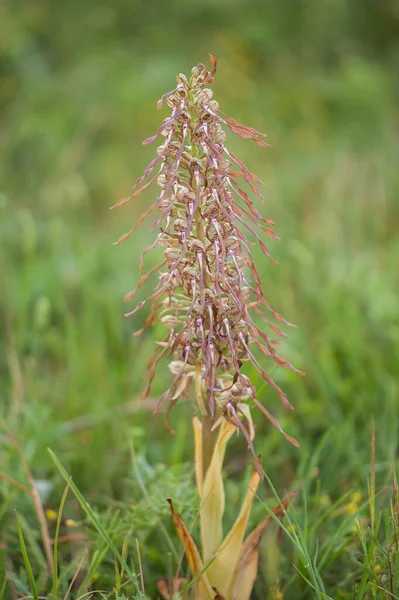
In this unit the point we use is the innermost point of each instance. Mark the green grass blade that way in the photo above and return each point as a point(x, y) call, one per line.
point(3, 587)
point(89, 512)
point(150, 504)
point(298, 541)
point(3, 574)
point(323, 563)
point(57, 531)
point(190, 584)
point(28, 566)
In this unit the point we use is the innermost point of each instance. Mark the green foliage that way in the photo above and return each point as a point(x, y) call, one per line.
point(28, 565)
point(79, 85)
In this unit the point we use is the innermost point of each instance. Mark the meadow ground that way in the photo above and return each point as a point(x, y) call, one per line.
point(72, 122)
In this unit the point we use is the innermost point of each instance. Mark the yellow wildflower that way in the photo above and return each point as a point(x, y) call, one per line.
point(70, 523)
point(354, 503)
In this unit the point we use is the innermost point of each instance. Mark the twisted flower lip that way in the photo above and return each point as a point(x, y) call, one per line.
point(209, 294)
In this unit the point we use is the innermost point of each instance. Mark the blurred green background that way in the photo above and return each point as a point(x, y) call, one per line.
point(79, 85)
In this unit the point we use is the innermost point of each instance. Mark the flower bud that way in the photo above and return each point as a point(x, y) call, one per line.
point(180, 225)
point(203, 96)
point(232, 243)
point(213, 105)
point(220, 137)
point(181, 80)
point(189, 273)
point(165, 205)
point(196, 245)
point(225, 165)
point(175, 366)
point(162, 180)
point(170, 321)
point(195, 72)
point(171, 254)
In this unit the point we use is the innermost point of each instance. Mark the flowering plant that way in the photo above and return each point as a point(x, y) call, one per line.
point(208, 284)
point(209, 294)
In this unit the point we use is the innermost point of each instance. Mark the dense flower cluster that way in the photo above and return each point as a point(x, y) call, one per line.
point(209, 289)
